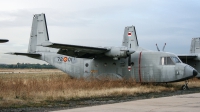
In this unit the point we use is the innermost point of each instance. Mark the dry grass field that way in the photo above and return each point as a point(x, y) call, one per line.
point(20, 87)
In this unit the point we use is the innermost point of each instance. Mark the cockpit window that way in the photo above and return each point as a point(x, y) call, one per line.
point(166, 61)
point(176, 60)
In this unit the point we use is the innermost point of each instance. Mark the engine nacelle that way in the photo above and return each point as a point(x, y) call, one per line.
point(119, 52)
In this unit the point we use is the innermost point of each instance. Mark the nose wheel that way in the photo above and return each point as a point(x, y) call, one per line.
point(185, 86)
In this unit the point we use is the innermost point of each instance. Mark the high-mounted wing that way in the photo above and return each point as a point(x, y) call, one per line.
point(3, 40)
point(76, 50)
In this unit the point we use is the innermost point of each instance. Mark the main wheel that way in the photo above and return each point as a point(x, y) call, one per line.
point(184, 87)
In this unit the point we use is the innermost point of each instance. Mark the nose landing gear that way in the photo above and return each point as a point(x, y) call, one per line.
point(185, 87)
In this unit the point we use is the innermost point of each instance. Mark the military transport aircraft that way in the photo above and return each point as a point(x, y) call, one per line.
point(193, 59)
point(128, 61)
point(3, 40)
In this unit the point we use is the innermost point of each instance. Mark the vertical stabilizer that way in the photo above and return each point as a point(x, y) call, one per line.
point(39, 33)
point(130, 38)
point(195, 45)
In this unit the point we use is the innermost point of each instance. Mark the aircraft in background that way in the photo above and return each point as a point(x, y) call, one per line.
point(193, 59)
point(128, 61)
point(3, 40)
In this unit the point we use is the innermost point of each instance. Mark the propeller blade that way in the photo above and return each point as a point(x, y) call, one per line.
point(129, 63)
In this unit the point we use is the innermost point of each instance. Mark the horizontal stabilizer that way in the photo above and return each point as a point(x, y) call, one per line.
point(25, 54)
point(3, 40)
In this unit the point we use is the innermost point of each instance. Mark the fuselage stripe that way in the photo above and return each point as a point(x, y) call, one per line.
point(140, 67)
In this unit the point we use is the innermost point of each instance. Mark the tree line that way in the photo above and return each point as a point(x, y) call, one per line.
point(27, 65)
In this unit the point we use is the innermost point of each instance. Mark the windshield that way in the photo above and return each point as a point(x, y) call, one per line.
point(175, 60)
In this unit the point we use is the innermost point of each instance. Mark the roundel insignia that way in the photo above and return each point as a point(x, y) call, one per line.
point(129, 33)
point(65, 59)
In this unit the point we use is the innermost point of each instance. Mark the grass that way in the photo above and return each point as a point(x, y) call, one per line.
point(34, 87)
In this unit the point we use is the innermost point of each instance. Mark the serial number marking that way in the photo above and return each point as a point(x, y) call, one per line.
point(66, 59)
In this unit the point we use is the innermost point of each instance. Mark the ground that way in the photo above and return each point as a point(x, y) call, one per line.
point(51, 89)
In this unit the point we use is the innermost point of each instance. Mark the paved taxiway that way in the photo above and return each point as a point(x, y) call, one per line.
point(179, 103)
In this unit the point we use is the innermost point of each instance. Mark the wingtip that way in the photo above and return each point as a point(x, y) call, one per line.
point(3, 40)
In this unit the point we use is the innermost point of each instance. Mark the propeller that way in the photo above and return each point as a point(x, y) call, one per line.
point(129, 63)
point(129, 52)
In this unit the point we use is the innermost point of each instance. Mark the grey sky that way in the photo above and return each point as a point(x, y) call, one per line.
point(100, 23)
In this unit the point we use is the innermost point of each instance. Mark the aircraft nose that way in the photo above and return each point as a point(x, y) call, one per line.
point(195, 72)
point(190, 71)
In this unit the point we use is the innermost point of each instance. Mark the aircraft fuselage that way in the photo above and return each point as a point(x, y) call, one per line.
point(128, 61)
point(146, 66)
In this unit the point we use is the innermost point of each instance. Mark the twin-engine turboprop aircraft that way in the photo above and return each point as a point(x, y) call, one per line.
point(193, 59)
point(128, 61)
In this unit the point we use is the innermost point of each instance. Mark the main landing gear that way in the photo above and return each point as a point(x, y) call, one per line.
point(185, 87)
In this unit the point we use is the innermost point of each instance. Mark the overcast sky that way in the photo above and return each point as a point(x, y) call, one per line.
point(100, 23)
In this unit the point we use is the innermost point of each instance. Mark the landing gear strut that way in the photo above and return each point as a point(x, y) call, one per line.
point(185, 87)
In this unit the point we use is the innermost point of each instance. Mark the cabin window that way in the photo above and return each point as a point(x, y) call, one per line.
point(176, 60)
point(166, 61)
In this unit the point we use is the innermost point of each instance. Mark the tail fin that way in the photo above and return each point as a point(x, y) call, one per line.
point(195, 45)
point(39, 33)
point(130, 38)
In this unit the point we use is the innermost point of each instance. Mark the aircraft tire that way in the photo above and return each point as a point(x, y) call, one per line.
point(184, 87)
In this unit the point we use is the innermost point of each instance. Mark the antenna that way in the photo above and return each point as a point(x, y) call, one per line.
point(157, 47)
point(164, 47)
